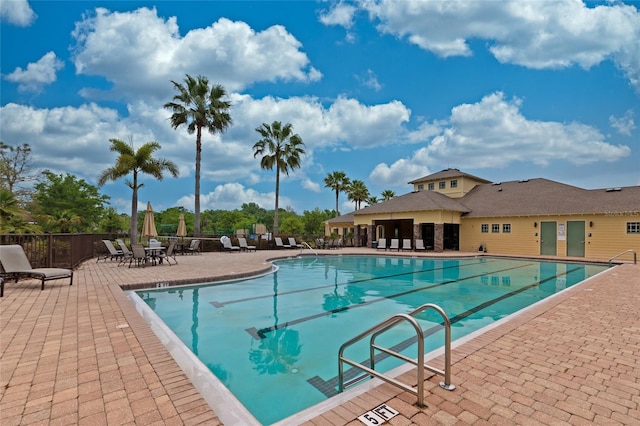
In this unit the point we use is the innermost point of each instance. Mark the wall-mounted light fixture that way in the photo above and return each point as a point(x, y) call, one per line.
point(590, 224)
point(535, 224)
point(535, 235)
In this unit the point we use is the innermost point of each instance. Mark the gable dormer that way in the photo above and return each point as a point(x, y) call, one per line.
point(450, 182)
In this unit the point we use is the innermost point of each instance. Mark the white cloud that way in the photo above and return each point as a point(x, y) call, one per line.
point(141, 52)
point(398, 173)
point(370, 80)
point(76, 139)
point(37, 74)
point(340, 14)
point(625, 124)
point(494, 133)
point(309, 185)
point(17, 12)
point(231, 196)
point(533, 34)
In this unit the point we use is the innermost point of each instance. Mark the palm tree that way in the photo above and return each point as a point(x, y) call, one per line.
point(372, 200)
point(198, 106)
point(281, 148)
point(135, 162)
point(387, 194)
point(358, 192)
point(13, 219)
point(338, 181)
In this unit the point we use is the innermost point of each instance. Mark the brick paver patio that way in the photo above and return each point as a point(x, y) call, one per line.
point(82, 354)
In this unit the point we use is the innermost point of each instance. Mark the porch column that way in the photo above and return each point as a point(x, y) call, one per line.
point(417, 231)
point(438, 240)
point(356, 236)
point(371, 233)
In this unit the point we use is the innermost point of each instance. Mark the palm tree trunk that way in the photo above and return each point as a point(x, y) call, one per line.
point(133, 231)
point(196, 226)
point(337, 211)
point(275, 214)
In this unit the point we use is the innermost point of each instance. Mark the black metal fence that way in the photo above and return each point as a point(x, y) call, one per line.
point(58, 250)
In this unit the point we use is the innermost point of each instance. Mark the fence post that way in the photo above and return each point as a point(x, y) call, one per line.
point(49, 250)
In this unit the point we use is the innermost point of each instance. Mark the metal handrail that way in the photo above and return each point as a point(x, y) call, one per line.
point(309, 247)
point(635, 256)
point(380, 328)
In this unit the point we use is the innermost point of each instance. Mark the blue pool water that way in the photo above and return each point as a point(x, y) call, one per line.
point(273, 340)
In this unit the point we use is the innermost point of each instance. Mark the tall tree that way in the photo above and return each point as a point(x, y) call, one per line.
point(387, 194)
point(197, 106)
point(64, 203)
point(280, 148)
point(358, 192)
point(134, 162)
point(15, 169)
point(339, 182)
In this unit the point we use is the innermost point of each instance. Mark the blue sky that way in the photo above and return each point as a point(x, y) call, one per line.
point(386, 91)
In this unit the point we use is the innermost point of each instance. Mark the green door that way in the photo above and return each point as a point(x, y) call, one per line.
point(575, 238)
point(548, 238)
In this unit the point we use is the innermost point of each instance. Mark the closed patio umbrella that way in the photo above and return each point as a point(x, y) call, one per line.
point(149, 224)
point(182, 227)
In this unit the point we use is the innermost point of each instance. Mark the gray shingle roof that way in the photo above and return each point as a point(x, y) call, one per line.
point(416, 201)
point(446, 174)
point(546, 197)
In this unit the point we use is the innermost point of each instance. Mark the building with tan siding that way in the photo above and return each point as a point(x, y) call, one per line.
point(453, 210)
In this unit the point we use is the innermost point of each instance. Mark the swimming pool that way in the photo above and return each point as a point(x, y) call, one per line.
point(272, 337)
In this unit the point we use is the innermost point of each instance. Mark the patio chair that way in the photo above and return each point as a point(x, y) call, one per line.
point(169, 254)
point(382, 244)
point(193, 248)
point(242, 242)
point(395, 244)
point(16, 265)
point(226, 243)
point(294, 244)
point(420, 245)
point(126, 253)
point(320, 243)
point(406, 244)
point(113, 252)
point(139, 255)
point(279, 244)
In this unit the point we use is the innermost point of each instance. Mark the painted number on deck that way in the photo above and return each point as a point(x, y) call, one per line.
point(378, 415)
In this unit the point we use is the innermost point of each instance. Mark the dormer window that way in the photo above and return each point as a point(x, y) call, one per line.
point(442, 185)
point(432, 187)
point(420, 186)
point(454, 183)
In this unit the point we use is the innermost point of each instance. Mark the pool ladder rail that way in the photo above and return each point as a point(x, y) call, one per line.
point(635, 256)
point(380, 328)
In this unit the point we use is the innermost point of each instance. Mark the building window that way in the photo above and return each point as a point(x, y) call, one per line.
point(432, 187)
point(442, 185)
point(495, 228)
point(633, 227)
point(420, 186)
point(506, 228)
point(454, 183)
point(484, 228)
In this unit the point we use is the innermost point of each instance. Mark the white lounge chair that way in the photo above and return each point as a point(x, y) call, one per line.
point(395, 244)
point(294, 244)
point(420, 245)
point(406, 244)
point(16, 265)
point(226, 243)
point(242, 242)
point(382, 243)
point(279, 244)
